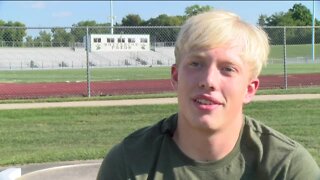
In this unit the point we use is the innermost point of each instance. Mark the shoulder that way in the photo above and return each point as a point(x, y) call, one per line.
point(277, 152)
point(147, 140)
point(265, 138)
point(151, 134)
point(113, 165)
point(137, 150)
point(267, 135)
point(267, 144)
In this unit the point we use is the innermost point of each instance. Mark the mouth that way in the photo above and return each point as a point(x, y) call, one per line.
point(206, 102)
point(203, 102)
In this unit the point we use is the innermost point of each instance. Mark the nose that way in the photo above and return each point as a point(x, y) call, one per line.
point(209, 79)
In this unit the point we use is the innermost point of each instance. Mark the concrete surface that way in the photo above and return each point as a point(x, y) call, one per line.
point(70, 172)
point(10, 174)
point(66, 170)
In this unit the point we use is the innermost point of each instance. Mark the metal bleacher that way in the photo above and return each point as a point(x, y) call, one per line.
point(65, 57)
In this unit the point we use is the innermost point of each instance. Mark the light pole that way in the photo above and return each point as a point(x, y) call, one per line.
point(111, 15)
point(313, 32)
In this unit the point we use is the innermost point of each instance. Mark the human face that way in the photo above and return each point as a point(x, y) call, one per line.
point(212, 86)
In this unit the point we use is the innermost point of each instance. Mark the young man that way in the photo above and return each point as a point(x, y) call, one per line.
point(218, 60)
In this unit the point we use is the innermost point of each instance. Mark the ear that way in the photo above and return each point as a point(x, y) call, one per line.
point(251, 90)
point(174, 76)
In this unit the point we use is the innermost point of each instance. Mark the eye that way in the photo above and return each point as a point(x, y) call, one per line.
point(194, 64)
point(228, 69)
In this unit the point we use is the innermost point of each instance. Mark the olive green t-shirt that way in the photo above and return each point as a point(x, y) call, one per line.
point(261, 153)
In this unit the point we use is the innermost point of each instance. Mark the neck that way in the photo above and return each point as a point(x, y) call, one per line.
point(208, 145)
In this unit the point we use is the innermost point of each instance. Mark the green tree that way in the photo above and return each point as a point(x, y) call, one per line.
point(196, 9)
point(280, 19)
point(298, 15)
point(2, 23)
point(13, 33)
point(165, 34)
point(79, 30)
point(132, 20)
point(61, 38)
point(301, 15)
point(29, 41)
point(165, 20)
point(262, 20)
point(43, 40)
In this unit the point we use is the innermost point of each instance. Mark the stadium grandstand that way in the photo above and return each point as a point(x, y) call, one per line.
point(75, 57)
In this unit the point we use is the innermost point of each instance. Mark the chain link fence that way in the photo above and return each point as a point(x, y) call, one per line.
point(64, 47)
point(66, 55)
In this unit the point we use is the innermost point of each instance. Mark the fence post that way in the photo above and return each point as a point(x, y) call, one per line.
point(285, 59)
point(88, 67)
point(313, 32)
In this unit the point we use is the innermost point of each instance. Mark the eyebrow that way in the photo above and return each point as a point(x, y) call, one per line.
point(201, 55)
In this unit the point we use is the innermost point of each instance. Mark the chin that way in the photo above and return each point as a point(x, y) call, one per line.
point(210, 122)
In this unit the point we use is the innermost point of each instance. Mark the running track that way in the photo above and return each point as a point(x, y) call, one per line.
point(109, 88)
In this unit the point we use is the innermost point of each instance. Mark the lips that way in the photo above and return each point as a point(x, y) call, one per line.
point(206, 102)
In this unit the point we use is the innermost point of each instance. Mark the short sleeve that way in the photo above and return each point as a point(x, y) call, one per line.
point(113, 165)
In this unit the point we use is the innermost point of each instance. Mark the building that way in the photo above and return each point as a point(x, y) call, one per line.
point(119, 42)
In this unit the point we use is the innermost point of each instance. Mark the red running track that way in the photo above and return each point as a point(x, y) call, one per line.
point(108, 88)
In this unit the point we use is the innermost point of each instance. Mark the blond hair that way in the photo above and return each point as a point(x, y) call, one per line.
point(218, 28)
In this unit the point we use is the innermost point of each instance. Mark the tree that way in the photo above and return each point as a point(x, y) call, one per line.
point(298, 15)
point(132, 20)
point(196, 9)
point(301, 15)
point(61, 38)
point(29, 41)
point(14, 33)
point(165, 20)
point(2, 23)
point(79, 30)
point(280, 19)
point(43, 40)
point(262, 20)
point(165, 34)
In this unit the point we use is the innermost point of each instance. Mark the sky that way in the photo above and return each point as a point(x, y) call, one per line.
point(67, 13)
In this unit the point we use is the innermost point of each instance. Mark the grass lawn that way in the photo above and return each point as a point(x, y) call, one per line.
point(301, 50)
point(130, 73)
point(73, 75)
point(62, 134)
point(273, 69)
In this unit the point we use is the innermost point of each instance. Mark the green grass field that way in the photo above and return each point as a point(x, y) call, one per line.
point(302, 50)
point(136, 73)
point(62, 134)
point(73, 75)
point(278, 69)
